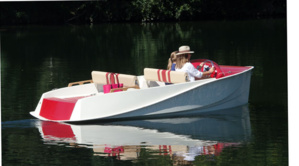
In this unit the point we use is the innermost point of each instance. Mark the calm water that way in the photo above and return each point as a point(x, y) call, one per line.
point(35, 59)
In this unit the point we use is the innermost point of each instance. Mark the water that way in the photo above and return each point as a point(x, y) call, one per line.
point(35, 59)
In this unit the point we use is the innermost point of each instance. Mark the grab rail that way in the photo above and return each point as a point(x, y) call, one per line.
point(124, 88)
point(80, 83)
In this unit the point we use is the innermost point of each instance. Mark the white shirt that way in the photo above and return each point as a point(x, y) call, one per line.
point(191, 70)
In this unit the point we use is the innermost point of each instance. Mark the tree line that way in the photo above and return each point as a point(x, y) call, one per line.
point(85, 12)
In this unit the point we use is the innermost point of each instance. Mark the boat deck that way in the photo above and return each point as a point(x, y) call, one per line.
point(227, 70)
point(231, 70)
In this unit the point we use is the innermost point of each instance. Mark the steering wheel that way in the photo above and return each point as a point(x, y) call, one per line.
point(218, 73)
point(211, 65)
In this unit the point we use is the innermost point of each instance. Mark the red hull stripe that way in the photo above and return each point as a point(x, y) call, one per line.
point(58, 109)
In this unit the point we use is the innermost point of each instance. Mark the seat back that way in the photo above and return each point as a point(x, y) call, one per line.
point(99, 77)
point(167, 76)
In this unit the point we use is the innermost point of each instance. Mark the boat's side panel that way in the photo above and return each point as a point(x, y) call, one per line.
point(112, 104)
point(221, 94)
point(205, 95)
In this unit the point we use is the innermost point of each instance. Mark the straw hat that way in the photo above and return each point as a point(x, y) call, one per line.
point(184, 50)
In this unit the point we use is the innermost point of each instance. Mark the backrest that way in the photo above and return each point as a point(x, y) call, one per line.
point(99, 77)
point(168, 76)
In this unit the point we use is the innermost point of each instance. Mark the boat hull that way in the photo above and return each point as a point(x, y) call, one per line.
point(171, 100)
point(217, 94)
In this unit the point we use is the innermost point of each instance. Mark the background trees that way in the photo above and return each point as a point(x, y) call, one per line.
point(83, 12)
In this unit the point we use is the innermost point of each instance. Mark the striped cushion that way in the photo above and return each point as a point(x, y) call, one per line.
point(99, 77)
point(168, 76)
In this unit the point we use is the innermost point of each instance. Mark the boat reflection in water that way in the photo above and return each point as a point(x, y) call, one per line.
point(182, 139)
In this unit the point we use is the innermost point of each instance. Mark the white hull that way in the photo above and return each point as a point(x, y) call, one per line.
point(203, 95)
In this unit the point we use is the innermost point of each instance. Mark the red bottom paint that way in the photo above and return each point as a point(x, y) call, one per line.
point(58, 109)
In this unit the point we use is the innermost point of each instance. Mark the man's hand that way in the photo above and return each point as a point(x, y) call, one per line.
point(212, 69)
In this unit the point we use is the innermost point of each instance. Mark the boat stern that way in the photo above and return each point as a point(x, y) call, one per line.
point(59, 104)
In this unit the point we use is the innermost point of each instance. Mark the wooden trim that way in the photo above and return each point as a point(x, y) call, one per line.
point(124, 88)
point(79, 83)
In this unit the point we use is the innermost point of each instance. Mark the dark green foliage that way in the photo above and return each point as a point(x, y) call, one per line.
point(85, 12)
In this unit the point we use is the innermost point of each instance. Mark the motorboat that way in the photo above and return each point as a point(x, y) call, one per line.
point(157, 93)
